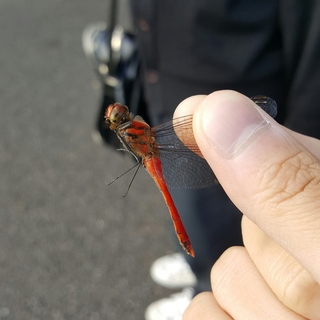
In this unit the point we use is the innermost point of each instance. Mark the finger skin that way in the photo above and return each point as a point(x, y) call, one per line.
point(269, 175)
point(242, 292)
point(205, 307)
point(291, 283)
point(188, 106)
point(274, 180)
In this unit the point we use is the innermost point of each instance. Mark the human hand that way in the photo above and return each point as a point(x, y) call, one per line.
point(273, 176)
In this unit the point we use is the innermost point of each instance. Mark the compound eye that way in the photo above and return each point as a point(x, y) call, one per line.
point(116, 114)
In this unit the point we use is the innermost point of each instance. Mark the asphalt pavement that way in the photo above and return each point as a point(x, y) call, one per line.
point(71, 247)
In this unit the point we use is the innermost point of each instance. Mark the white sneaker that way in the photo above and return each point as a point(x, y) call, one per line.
point(172, 271)
point(171, 308)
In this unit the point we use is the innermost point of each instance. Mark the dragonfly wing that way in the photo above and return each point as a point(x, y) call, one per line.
point(266, 104)
point(192, 172)
point(182, 166)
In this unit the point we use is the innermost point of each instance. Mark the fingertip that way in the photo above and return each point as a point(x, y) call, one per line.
point(188, 106)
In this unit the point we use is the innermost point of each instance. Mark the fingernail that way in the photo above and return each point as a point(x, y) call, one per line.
point(229, 125)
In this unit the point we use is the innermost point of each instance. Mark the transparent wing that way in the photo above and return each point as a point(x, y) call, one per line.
point(182, 165)
point(267, 104)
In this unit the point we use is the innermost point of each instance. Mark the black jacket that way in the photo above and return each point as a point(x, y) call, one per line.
point(269, 47)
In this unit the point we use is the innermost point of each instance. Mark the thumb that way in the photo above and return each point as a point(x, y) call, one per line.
point(269, 175)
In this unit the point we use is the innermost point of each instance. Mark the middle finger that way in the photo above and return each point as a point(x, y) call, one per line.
point(242, 292)
point(292, 284)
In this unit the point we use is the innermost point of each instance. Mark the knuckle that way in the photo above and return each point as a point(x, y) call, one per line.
point(296, 175)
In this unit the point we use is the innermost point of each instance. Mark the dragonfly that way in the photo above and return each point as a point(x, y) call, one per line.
point(169, 153)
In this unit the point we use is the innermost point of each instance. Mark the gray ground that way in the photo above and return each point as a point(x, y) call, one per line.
point(70, 247)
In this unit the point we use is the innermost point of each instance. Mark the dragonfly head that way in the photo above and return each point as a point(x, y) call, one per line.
point(117, 114)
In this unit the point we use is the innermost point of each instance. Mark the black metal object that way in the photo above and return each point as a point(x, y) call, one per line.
point(119, 74)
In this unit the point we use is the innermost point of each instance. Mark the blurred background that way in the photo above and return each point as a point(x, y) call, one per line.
point(70, 246)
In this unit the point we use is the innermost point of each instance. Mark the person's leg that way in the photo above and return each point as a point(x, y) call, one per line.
point(213, 225)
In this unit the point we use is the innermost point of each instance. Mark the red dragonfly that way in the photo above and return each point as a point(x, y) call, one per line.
point(170, 162)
